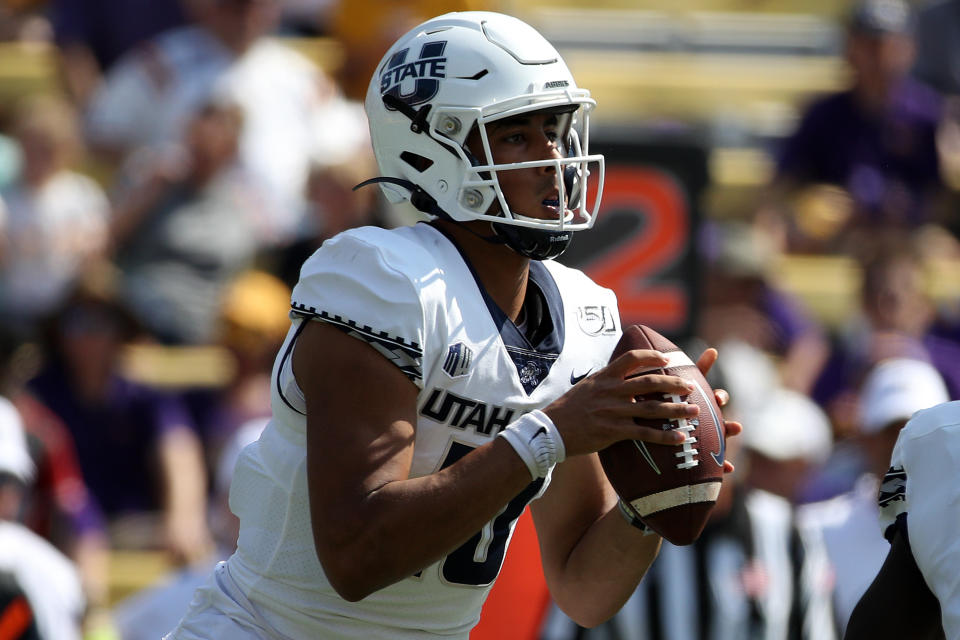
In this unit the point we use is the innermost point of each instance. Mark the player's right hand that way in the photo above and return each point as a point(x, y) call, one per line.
point(600, 409)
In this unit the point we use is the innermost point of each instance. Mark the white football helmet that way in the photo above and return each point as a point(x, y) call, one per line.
point(461, 71)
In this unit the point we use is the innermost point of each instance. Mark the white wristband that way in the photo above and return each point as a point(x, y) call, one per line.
point(537, 441)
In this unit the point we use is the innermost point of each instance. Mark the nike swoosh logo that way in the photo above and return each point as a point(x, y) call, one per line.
point(718, 456)
point(574, 379)
point(542, 430)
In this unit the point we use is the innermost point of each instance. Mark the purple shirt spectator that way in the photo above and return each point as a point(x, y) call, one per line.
point(848, 364)
point(111, 28)
point(887, 162)
point(116, 439)
point(789, 320)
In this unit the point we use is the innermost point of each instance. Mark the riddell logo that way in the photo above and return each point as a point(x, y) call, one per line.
point(556, 84)
point(424, 74)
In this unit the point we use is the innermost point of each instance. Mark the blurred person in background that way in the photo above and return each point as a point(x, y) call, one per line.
point(252, 324)
point(333, 204)
point(751, 574)
point(136, 445)
point(866, 157)
point(780, 454)
point(938, 64)
point(23, 21)
point(742, 303)
point(365, 29)
point(53, 220)
point(91, 35)
point(151, 612)
point(306, 18)
point(937, 33)
point(150, 95)
point(896, 318)
point(57, 506)
point(847, 526)
point(28, 563)
point(11, 158)
point(790, 439)
point(185, 225)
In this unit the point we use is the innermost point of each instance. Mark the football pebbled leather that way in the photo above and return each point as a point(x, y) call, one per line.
point(672, 488)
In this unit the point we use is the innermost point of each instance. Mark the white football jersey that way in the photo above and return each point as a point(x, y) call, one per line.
point(920, 493)
point(410, 294)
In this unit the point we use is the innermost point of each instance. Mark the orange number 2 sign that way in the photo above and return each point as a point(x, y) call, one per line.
point(635, 266)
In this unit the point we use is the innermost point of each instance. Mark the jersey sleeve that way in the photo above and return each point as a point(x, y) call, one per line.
point(364, 284)
point(924, 500)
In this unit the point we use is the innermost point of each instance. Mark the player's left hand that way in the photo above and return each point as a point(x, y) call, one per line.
point(730, 427)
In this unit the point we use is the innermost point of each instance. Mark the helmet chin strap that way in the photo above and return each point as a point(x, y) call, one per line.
point(536, 244)
point(419, 198)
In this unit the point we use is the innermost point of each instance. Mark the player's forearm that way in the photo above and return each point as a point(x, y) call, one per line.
point(407, 525)
point(602, 570)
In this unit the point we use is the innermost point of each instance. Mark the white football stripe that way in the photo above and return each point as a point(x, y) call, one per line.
point(674, 359)
point(677, 497)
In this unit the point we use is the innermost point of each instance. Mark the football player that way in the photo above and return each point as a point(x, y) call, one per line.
point(438, 378)
point(916, 593)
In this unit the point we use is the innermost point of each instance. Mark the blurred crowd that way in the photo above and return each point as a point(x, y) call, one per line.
point(867, 177)
point(157, 205)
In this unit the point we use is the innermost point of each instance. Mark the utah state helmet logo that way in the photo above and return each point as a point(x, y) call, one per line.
point(426, 71)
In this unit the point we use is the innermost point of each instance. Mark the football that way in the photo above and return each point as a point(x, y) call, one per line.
point(672, 488)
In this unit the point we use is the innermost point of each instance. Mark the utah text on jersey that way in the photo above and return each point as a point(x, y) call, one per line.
point(462, 413)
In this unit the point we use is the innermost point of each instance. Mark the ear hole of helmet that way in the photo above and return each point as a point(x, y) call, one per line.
point(471, 156)
point(418, 162)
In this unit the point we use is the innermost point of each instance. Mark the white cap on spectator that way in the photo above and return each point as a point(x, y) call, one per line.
point(897, 388)
point(14, 457)
point(342, 134)
point(788, 425)
point(748, 374)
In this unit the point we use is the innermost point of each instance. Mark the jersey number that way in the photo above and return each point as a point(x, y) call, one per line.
point(478, 561)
